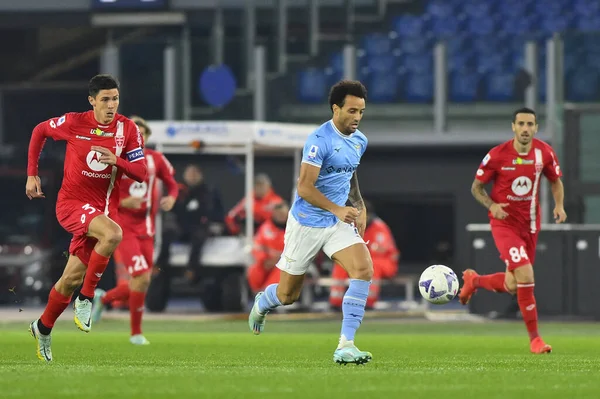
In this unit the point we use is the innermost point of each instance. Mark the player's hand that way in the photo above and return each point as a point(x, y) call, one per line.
point(106, 155)
point(347, 214)
point(132, 203)
point(167, 203)
point(559, 214)
point(361, 222)
point(33, 187)
point(498, 211)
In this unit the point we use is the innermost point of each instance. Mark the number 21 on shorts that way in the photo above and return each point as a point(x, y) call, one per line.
point(516, 254)
point(89, 209)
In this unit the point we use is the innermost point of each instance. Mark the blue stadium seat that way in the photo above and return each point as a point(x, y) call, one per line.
point(440, 9)
point(499, 86)
point(382, 63)
point(555, 23)
point(477, 9)
point(415, 45)
point(377, 43)
point(410, 26)
point(312, 85)
point(544, 8)
point(460, 61)
point(422, 62)
point(514, 8)
point(583, 85)
point(449, 26)
point(383, 87)
point(336, 61)
point(492, 62)
point(588, 23)
point(463, 86)
point(481, 26)
point(586, 7)
point(418, 87)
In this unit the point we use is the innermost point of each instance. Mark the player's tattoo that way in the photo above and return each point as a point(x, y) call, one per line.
point(480, 194)
point(354, 196)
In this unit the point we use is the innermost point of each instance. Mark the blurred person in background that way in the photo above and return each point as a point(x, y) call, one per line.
point(198, 211)
point(134, 256)
point(385, 255)
point(268, 246)
point(265, 199)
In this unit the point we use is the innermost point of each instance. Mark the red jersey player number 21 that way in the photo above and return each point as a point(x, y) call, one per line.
point(516, 168)
point(101, 146)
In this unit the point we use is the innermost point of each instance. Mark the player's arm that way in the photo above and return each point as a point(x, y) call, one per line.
point(166, 173)
point(56, 128)
point(479, 193)
point(553, 173)
point(354, 196)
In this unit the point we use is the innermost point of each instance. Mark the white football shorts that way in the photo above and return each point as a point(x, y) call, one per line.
point(303, 243)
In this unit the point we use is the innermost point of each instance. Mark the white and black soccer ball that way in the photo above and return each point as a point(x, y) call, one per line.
point(438, 284)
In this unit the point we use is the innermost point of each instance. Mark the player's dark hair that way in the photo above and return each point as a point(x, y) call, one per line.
point(524, 110)
point(102, 82)
point(343, 88)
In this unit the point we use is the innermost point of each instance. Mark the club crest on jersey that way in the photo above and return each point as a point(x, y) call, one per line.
point(101, 133)
point(119, 141)
point(521, 161)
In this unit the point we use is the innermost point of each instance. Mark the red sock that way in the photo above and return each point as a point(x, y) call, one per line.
point(526, 301)
point(57, 303)
point(136, 309)
point(94, 272)
point(119, 293)
point(492, 282)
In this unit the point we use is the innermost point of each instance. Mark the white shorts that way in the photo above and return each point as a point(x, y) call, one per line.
point(303, 243)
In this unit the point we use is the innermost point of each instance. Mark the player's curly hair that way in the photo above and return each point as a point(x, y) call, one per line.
point(343, 88)
point(141, 122)
point(102, 82)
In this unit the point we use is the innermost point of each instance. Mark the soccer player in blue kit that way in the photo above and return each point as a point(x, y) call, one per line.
point(319, 219)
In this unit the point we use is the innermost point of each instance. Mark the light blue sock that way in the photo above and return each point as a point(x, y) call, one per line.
point(353, 307)
point(269, 301)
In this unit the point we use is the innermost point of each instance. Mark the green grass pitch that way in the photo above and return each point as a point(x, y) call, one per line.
point(294, 360)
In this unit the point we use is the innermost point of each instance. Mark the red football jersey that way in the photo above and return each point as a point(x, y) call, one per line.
point(268, 242)
point(381, 243)
point(517, 181)
point(141, 221)
point(85, 178)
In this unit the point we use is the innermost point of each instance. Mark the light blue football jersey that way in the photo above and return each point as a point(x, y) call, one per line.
point(338, 156)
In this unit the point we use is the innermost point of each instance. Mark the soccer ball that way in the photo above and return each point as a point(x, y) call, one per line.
point(438, 284)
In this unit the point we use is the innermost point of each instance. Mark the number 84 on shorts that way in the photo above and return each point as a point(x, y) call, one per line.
point(516, 248)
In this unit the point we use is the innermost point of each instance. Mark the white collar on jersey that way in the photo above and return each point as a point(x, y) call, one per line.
point(345, 136)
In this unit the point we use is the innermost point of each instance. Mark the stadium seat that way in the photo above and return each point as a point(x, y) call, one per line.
point(382, 63)
point(422, 63)
point(418, 87)
point(377, 44)
point(414, 45)
point(383, 87)
point(410, 26)
point(463, 86)
point(588, 23)
point(499, 87)
point(312, 85)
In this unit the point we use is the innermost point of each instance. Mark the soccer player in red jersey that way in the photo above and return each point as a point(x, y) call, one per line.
point(516, 168)
point(101, 146)
point(137, 214)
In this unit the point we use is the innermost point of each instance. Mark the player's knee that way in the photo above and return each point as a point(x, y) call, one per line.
point(72, 280)
point(141, 282)
point(113, 236)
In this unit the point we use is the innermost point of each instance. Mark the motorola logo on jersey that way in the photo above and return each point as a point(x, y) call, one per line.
point(522, 185)
point(93, 161)
point(138, 190)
